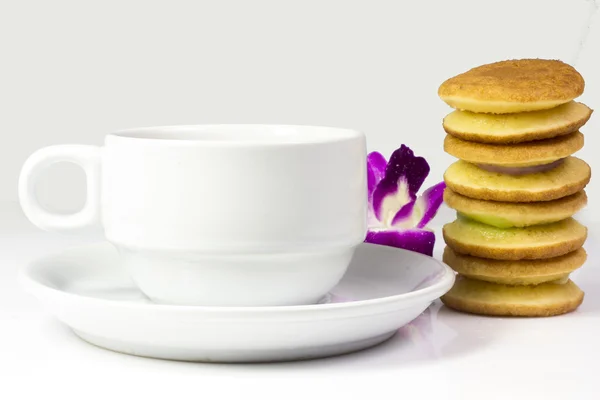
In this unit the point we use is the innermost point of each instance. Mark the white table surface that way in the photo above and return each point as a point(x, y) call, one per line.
point(442, 354)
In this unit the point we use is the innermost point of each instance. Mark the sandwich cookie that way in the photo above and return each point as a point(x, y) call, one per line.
point(466, 236)
point(508, 215)
point(516, 128)
point(485, 298)
point(516, 272)
point(566, 177)
point(509, 158)
point(513, 86)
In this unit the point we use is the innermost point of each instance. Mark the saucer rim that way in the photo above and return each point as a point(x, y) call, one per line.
point(427, 294)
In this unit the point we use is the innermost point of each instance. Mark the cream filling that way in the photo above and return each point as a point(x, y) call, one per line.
point(521, 170)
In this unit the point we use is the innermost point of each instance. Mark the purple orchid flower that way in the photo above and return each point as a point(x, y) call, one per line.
point(397, 217)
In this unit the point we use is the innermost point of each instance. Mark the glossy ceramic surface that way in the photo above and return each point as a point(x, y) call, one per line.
point(220, 214)
point(384, 289)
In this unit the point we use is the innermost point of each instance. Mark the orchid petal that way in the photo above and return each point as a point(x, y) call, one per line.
point(403, 163)
point(403, 177)
point(404, 214)
point(394, 202)
point(419, 240)
point(428, 204)
point(376, 164)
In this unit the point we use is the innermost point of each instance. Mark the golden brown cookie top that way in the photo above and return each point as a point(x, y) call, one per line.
point(515, 272)
point(486, 298)
point(524, 154)
point(546, 82)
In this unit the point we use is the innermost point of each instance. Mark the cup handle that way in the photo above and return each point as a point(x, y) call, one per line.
point(88, 158)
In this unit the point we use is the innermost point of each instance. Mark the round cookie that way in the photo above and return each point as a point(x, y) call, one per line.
point(568, 178)
point(507, 215)
point(466, 236)
point(516, 272)
point(515, 155)
point(516, 128)
point(513, 86)
point(485, 298)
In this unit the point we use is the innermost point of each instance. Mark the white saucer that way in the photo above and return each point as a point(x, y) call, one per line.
point(384, 289)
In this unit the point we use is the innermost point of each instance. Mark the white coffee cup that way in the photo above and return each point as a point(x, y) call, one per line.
point(224, 215)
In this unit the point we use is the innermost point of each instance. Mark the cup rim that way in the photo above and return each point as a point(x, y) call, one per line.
point(236, 135)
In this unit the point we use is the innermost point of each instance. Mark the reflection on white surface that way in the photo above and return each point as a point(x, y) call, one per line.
point(455, 350)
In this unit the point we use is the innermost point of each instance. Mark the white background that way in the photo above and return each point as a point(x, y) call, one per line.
point(72, 71)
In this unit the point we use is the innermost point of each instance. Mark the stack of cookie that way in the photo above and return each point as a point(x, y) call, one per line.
point(515, 187)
